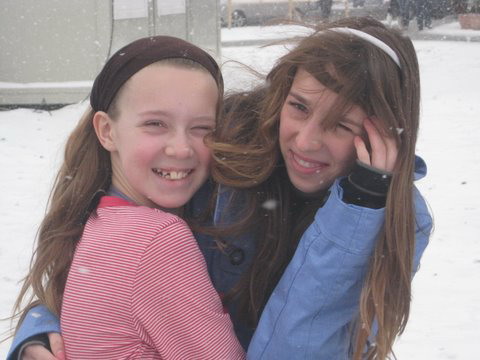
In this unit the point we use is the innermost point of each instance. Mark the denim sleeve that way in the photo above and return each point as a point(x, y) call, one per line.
point(39, 320)
point(310, 312)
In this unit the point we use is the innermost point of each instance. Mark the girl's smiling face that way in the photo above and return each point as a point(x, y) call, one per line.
point(315, 157)
point(158, 155)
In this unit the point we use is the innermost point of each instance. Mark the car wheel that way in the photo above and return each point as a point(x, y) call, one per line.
point(238, 18)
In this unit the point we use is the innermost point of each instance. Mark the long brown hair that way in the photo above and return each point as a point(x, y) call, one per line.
point(85, 173)
point(247, 156)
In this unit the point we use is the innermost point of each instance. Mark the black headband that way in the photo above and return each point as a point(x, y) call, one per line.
point(135, 56)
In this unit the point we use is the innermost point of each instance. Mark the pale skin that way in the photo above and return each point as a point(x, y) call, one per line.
point(384, 149)
point(186, 100)
point(314, 155)
point(158, 155)
point(383, 155)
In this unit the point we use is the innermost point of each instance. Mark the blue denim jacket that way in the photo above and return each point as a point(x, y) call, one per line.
point(309, 314)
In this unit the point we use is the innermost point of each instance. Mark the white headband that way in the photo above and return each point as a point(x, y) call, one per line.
point(371, 39)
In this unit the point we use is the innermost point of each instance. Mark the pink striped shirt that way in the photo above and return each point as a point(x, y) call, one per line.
point(138, 288)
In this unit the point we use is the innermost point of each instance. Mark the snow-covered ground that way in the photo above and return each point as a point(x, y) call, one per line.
point(445, 317)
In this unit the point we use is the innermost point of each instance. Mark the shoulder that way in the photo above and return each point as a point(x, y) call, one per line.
point(163, 230)
point(422, 211)
point(139, 216)
point(137, 226)
point(420, 168)
point(423, 216)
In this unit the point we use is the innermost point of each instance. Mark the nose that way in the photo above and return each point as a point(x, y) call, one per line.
point(309, 136)
point(179, 146)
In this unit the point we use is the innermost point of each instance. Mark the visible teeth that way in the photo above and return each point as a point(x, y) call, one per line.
point(172, 175)
point(176, 175)
point(304, 163)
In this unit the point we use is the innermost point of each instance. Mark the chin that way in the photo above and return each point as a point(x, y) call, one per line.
point(169, 205)
point(312, 191)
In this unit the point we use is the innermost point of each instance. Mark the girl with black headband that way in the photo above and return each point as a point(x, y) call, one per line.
point(326, 200)
point(137, 284)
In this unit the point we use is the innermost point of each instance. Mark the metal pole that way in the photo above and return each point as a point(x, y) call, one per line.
point(188, 21)
point(229, 14)
point(152, 13)
point(347, 9)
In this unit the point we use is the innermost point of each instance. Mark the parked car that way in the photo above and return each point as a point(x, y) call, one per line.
point(377, 9)
point(251, 12)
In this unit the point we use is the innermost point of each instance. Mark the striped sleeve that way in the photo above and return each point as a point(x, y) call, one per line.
point(175, 305)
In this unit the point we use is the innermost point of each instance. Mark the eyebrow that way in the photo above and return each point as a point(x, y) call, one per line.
point(168, 114)
point(154, 112)
point(351, 122)
point(299, 97)
point(307, 102)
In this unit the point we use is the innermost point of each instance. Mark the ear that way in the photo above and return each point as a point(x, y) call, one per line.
point(104, 129)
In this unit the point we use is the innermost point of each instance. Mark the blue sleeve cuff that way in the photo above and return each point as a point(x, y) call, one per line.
point(349, 226)
point(39, 320)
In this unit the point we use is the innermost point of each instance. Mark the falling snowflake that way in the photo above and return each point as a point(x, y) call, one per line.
point(83, 270)
point(270, 204)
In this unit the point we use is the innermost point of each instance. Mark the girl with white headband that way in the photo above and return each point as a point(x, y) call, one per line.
point(320, 223)
point(331, 142)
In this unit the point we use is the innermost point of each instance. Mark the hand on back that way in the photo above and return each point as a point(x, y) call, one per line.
point(39, 352)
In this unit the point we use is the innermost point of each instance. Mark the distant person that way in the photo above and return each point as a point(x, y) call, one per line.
point(423, 10)
point(401, 10)
point(326, 8)
point(459, 6)
point(358, 3)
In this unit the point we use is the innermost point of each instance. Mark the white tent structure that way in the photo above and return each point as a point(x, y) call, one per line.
point(52, 49)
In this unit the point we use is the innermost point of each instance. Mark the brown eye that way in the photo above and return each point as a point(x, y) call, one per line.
point(298, 107)
point(203, 128)
point(155, 123)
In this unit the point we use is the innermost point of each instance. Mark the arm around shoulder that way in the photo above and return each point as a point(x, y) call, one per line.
point(39, 321)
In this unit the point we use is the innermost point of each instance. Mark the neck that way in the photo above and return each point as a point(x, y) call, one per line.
point(116, 190)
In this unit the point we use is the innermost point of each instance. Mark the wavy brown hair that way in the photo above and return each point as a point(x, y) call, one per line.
point(85, 172)
point(247, 157)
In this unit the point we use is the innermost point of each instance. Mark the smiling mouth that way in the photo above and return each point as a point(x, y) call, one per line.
point(304, 163)
point(172, 174)
point(307, 164)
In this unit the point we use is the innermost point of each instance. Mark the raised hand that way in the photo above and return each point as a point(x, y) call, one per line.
point(384, 150)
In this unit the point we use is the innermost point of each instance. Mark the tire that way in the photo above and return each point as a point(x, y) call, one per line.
point(238, 18)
